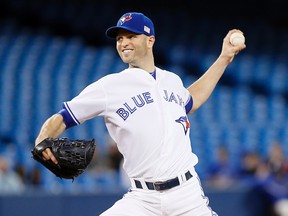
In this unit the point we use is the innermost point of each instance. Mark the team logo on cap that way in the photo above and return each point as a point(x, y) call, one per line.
point(183, 120)
point(125, 18)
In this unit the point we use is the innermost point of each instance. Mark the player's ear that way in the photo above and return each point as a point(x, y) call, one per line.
point(150, 41)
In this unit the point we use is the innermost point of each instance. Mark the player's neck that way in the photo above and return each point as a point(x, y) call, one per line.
point(149, 70)
point(148, 66)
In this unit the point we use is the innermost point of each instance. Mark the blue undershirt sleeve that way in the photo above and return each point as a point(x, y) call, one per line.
point(67, 118)
point(189, 105)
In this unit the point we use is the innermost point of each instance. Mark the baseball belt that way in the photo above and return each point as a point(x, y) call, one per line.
point(163, 185)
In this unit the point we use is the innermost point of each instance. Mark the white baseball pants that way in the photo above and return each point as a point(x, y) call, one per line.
point(187, 199)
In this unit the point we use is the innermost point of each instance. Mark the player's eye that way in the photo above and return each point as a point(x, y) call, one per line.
point(118, 39)
point(132, 36)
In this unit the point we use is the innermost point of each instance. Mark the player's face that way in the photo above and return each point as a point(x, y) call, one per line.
point(134, 49)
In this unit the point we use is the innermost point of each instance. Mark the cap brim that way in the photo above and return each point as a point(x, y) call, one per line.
point(113, 31)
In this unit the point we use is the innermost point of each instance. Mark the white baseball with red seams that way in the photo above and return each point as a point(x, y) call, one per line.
point(237, 39)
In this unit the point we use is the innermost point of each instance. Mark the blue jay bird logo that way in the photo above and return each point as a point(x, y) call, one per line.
point(126, 18)
point(183, 120)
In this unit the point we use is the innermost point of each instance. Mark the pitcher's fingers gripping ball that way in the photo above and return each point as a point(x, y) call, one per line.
point(73, 156)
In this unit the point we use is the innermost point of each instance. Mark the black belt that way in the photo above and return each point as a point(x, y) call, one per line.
point(163, 185)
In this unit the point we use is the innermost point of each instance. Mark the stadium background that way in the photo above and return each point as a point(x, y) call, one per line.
point(50, 50)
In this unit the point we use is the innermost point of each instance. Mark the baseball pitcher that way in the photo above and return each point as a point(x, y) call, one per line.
point(145, 110)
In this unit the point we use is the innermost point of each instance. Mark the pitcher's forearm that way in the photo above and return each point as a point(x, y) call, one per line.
point(204, 86)
point(53, 127)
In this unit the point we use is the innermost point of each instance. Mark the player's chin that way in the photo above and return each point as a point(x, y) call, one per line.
point(126, 60)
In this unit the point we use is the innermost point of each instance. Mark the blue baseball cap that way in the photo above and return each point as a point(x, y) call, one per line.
point(135, 22)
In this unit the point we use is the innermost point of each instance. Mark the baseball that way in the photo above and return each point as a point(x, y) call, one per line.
point(237, 39)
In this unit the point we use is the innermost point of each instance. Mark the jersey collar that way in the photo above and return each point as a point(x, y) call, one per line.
point(153, 74)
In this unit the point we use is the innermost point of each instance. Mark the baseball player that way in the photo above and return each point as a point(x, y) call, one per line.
point(145, 110)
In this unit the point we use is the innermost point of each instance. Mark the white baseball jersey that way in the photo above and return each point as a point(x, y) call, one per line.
point(146, 117)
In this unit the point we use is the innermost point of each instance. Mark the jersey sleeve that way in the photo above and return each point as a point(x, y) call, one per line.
point(90, 103)
point(187, 99)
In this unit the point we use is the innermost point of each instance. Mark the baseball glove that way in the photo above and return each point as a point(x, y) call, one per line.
point(73, 156)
